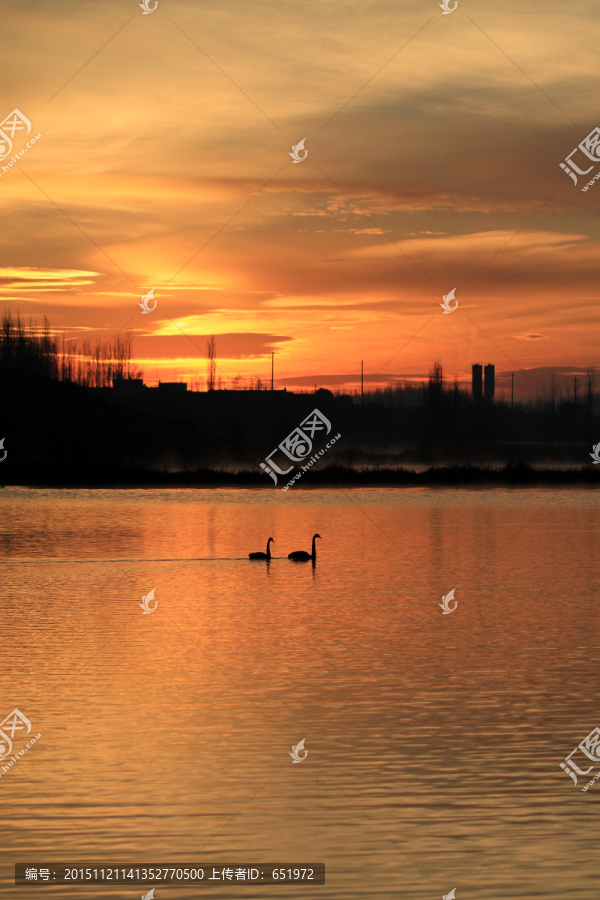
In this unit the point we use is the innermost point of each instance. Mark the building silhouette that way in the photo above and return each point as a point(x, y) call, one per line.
point(128, 387)
point(476, 381)
point(489, 381)
point(483, 381)
point(173, 387)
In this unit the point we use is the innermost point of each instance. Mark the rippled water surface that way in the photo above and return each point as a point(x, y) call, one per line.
point(434, 741)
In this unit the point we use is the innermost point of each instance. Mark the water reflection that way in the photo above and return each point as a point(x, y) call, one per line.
point(434, 741)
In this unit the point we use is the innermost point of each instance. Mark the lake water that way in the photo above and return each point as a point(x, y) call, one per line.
point(434, 741)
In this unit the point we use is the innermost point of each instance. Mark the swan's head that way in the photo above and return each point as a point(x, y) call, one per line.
point(317, 535)
point(269, 541)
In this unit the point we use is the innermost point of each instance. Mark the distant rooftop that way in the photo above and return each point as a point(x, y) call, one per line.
point(128, 385)
point(172, 386)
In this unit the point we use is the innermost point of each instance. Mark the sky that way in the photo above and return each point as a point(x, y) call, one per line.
point(433, 143)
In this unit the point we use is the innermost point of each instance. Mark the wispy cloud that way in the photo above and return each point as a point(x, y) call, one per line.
point(530, 337)
point(30, 279)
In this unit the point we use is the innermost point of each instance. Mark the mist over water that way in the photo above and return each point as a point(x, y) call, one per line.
point(434, 741)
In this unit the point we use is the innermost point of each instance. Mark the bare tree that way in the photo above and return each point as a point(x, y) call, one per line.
point(436, 377)
point(554, 395)
point(553, 390)
point(37, 348)
point(127, 352)
point(435, 387)
point(211, 363)
point(195, 382)
point(590, 376)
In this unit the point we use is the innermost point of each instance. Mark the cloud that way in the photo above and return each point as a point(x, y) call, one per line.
point(30, 279)
point(446, 146)
point(530, 337)
point(229, 345)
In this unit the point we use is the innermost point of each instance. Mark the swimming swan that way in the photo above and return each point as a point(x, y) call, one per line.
point(261, 555)
point(302, 555)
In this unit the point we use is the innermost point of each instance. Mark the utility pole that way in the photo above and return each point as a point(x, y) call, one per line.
point(512, 389)
point(272, 368)
point(362, 399)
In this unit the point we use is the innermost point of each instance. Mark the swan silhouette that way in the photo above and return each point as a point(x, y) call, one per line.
point(302, 555)
point(261, 555)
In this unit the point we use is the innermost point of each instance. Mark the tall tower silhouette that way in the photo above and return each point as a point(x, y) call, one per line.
point(476, 381)
point(489, 381)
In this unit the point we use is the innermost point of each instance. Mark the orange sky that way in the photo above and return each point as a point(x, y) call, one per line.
point(164, 163)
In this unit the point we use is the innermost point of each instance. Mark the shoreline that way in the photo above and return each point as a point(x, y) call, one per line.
point(115, 478)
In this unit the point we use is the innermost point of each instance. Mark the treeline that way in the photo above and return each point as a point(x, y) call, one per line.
point(37, 349)
point(438, 391)
point(392, 395)
point(198, 383)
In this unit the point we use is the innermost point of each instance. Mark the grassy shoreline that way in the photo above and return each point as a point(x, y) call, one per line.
point(333, 476)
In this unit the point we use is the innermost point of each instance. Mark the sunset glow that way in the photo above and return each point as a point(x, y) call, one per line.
point(165, 163)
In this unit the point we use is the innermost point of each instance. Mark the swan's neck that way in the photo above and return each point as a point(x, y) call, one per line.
point(314, 550)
